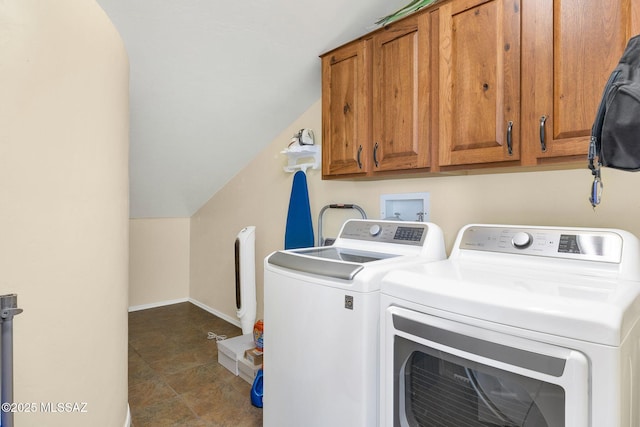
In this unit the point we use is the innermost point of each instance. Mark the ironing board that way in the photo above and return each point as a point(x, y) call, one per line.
point(299, 229)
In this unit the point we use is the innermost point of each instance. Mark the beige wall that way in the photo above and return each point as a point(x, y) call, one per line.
point(64, 208)
point(259, 196)
point(159, 257)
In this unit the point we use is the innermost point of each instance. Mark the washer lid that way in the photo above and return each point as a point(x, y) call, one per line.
point(326, 261)
point(343, 254)
point(588, 308)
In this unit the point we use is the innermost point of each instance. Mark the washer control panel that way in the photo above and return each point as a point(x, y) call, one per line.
point(397, 232)
point(572, 243)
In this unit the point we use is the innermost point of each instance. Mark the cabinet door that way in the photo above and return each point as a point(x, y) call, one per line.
point(571, 47)
point(345, 132)
point(400, 80)
point(479, 75)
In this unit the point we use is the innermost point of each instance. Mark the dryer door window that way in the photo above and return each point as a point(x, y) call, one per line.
point(447, 373)
point(442, 389)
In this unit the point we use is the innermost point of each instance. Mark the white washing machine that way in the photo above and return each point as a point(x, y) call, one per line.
point(521, 326)
point(321, 322)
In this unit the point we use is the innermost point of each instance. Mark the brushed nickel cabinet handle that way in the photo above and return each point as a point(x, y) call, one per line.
point(375, 154)
point(543, 143)
point(509, 138)
point(359, 155)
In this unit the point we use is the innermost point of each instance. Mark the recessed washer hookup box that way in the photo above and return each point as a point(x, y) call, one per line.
point(232, 349)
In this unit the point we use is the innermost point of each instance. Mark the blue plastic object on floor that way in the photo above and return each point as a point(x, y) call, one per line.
point(299, 230)
point(256, 390)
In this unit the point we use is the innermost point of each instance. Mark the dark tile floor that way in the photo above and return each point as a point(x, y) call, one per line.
point(174, 375)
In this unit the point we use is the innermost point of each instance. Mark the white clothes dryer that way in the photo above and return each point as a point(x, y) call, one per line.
point(521, 326)
point(321, 322)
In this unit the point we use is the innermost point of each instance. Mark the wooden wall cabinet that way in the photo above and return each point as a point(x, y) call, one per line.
point(376, 102)
point(570, 48)
point(471, 84)
point(345, 110)
point(479, 81)
point(401, 97)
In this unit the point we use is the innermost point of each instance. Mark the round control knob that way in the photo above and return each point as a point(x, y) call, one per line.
point(522, 240)
point(375, 229)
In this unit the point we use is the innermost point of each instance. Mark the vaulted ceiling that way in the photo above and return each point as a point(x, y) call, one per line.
point(213, 82)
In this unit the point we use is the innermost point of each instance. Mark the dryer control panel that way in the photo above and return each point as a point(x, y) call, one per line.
point(571, 243)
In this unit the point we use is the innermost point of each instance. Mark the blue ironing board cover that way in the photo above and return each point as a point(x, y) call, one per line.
point(299, 229)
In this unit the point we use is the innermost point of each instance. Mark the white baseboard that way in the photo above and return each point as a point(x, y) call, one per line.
point(233, 320)
point(158, 304)
point(127, 421)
